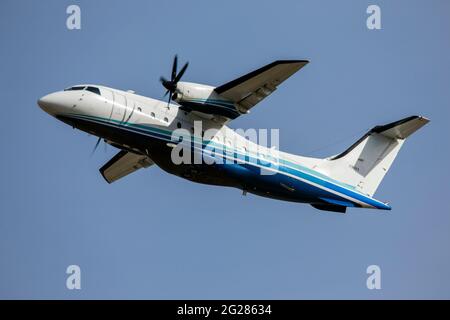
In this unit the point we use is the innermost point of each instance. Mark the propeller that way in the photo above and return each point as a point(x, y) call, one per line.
point(96, 145)
point(171, 85)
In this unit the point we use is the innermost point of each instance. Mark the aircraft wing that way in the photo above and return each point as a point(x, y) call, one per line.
point(123, 164)
point(253, 87)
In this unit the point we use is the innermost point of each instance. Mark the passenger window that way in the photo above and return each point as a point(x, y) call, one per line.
point(152, 115)
point(139, 109)
point(166, 120)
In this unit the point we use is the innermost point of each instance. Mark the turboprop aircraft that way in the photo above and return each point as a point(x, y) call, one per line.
point(142, 128)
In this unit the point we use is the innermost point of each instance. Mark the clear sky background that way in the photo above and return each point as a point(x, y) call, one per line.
point(153, 235)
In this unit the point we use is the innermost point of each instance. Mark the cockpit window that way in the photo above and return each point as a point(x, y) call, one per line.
point(74, 88)
point(94, 90)
point(91, 89)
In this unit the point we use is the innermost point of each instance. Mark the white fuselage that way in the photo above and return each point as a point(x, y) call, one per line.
point(113, 114)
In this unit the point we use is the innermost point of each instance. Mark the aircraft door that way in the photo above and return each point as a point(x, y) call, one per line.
point(119, 106)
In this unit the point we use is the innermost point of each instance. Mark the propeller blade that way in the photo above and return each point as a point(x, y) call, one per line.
point(163, 80)
point(96, 145)
point(174, 67)
point(180, 74)
point(171, 85)
point(165, 94)
point(168, 101)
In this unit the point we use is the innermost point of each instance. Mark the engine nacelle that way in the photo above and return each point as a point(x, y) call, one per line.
point(203, 98)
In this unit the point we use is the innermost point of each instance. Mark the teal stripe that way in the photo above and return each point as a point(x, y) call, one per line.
point(220, 146)
point(212, 100)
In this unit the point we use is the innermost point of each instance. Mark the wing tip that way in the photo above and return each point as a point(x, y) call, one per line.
point(102, 172)
point(424, 119)
point(291, 61)
point(235, 82)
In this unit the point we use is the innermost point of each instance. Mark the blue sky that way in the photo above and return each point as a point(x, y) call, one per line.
point(156, 236)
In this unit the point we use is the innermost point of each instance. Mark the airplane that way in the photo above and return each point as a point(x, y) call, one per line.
point(142, 127)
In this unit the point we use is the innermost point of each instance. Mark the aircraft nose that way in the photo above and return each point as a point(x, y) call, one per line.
point(50, 103)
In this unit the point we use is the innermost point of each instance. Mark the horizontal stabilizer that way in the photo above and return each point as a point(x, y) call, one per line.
point(401, 129)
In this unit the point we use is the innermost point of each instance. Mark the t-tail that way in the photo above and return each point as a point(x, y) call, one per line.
point(364, 164)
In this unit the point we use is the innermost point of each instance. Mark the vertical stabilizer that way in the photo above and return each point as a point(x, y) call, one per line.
point(365, 163)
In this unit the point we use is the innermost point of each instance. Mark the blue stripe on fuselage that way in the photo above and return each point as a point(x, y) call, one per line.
point(283, 169)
